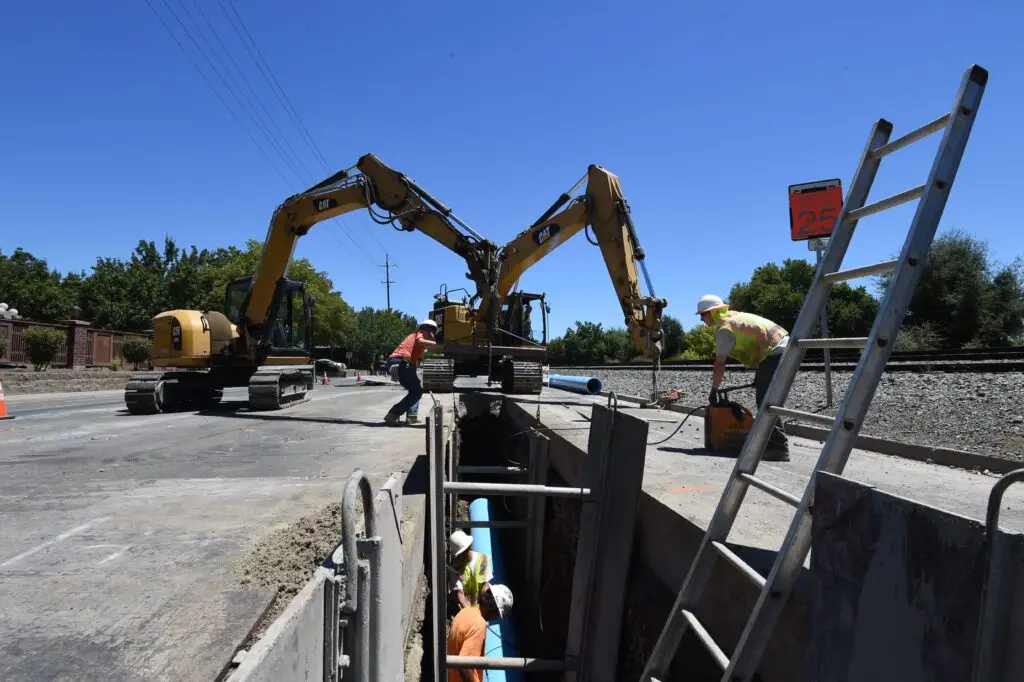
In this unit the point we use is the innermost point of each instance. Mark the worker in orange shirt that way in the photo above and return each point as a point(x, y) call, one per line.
point(468, 631)
point(407, 357)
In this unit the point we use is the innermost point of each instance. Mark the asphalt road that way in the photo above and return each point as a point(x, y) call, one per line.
point(121, 533)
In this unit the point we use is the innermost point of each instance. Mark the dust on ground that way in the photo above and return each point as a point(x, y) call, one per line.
point(25, 381)
point(286, 558)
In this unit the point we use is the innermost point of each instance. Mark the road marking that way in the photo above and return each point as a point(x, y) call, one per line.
point(115, 555)
point(63, 536)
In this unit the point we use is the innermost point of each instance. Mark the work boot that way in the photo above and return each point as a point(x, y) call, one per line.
point(412, 419)
point(392, 419)
point(776, 452)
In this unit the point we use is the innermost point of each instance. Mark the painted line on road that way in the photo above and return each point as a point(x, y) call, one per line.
point(63, 536)
point(115, 555)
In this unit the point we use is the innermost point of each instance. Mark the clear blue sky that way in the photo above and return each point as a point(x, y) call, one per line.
point(706, 111)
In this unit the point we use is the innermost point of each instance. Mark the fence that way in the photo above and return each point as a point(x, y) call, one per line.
point(88, 347)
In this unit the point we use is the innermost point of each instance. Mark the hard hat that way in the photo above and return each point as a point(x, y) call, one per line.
point(502, 599)
point(709, 302)
point(460, 542)
point(428, 323)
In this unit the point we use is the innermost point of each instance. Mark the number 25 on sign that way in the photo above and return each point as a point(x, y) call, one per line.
point(813, 208)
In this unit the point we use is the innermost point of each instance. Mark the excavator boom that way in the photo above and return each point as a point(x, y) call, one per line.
point(603, 209)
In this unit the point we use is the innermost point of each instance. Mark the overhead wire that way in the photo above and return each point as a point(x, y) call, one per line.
point(243, 101)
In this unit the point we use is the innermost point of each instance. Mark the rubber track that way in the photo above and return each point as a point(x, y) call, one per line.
point(438, 375)
point(140, 394)
point(527, 378)
point(266, 388)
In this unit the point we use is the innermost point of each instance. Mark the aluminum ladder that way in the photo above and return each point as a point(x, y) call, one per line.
point(906, 272)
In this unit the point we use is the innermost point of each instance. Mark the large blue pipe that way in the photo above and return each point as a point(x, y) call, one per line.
point(501, 635)
point(589, 385)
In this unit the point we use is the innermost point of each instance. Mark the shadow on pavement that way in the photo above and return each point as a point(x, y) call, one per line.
point(699, 452)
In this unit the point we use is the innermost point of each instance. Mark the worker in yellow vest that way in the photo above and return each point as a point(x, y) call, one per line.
point(757, 343)
point(471, 570)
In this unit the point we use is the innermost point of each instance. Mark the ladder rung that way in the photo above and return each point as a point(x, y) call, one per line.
point(863, 271)
point(879, 206)
point(835, 342)
point(739, 563)
point(799, 415)
point(505, 663)
point(774, 491)
point(911, 137)
point(523, 489)
point(705, 637)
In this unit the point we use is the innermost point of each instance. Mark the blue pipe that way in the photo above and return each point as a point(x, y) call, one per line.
point(591, 385)
point(501, 635)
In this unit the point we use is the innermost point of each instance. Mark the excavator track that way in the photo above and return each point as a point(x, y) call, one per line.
point(279, 389)
point(527, 378)
point(438, 375)
point(156, 392)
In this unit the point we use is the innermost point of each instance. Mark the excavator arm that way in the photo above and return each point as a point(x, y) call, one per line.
point(391, 198)
point(603, 208)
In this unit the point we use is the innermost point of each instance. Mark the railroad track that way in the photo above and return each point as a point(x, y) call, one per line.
point(973, 360)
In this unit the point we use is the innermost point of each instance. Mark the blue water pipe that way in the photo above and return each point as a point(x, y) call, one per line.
point(501, 635)
point(591, 385)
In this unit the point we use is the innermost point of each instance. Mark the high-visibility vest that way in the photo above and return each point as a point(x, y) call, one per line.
point(755, 336)
point(474, 575)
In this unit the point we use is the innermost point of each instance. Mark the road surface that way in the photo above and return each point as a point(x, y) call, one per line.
point(123, 534)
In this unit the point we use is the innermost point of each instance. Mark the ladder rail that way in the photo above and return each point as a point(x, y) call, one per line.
point(855, 404)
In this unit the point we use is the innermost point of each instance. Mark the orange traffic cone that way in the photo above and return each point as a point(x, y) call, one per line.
point(326, 381)
point(3, 405)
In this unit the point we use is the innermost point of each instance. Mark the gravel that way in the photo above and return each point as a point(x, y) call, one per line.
point(980, 413)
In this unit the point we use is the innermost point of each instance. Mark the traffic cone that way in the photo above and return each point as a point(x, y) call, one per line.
point(326, 381)
point(3, 405)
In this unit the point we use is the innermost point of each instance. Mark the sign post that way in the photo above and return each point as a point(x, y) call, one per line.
point(813, 209)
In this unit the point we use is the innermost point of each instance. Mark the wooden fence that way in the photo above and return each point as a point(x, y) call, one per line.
point(98, 348)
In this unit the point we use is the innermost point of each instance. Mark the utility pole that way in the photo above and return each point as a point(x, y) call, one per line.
point(387, 277)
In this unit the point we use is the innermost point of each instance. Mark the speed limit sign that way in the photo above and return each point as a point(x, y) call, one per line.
point(814, 208)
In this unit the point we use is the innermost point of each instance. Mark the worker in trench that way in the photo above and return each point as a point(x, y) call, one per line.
point(407, 358)
point(755, 342)
point(468, 631)
point(470, 572)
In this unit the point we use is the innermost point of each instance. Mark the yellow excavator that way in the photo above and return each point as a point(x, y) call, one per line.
point(263, 340)
point(517, 364)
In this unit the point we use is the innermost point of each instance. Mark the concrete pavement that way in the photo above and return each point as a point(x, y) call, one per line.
point(122, 533)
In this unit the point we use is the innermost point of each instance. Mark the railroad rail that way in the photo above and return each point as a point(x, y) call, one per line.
point(974, 360)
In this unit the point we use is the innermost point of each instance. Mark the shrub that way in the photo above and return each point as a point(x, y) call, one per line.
point(3, 346)
point(135, 351)
point(42, 345)
point(115, 364)
point(924, 336)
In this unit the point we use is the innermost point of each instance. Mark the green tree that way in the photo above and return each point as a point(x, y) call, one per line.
point(675, 336)
point(964, 296)
point(376, 333)
point(41, 345)
point(585, 345)
point(778, 293)
point(700, 343)
point(28, 284)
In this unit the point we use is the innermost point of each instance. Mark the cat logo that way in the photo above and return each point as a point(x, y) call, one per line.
point(175, 334)
point(325, 204)
point(542, 234)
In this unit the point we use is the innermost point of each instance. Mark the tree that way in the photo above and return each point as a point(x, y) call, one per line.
point(135, 351)
point(700, 343)
point(965, 297)
point(778, 294)
point(42, 345)
point(376, 333)
point(585, 345)
point(675, 337)
point(28, 284)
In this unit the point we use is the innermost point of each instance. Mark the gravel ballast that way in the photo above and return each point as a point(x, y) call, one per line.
point(979, 413)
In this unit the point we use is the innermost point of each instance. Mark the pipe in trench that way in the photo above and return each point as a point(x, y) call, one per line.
point(501, 635)
point(587, 385)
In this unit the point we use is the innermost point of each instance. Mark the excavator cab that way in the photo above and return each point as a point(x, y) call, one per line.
point(289, 328)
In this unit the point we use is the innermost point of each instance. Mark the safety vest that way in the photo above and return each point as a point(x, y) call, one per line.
point(474, 575)
point(755, 336)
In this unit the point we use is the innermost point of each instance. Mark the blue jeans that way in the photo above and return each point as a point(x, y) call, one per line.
point(410, 381)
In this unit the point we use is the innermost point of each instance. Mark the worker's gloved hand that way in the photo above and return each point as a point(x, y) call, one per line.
point(713, 397)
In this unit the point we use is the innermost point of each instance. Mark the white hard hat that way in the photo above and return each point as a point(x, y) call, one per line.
point(502, 599)
point(709, 302)
point(460, 542)
point(428, 323)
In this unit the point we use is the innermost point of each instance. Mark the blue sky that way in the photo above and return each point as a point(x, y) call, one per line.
point(706, 111)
